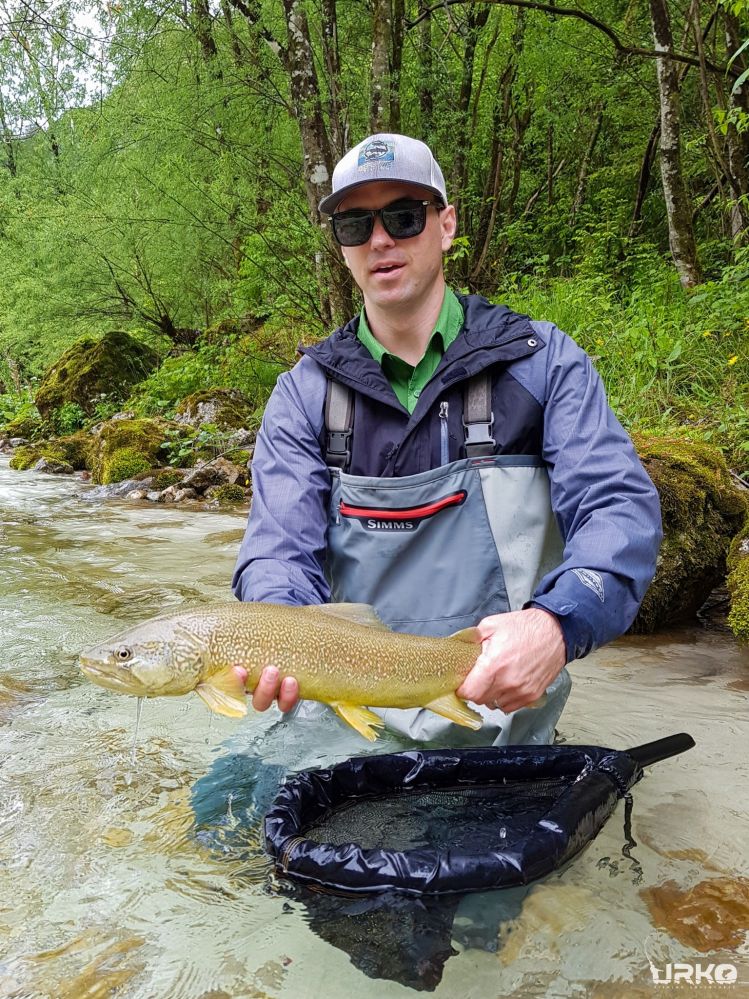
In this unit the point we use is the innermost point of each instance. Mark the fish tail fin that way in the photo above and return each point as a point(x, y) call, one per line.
point(452, 707)
point(362, 719)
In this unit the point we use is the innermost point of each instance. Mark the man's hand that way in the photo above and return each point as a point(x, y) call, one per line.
point(522, 653)
point(270, 686)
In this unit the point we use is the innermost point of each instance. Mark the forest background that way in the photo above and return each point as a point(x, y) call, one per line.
point(161, 162)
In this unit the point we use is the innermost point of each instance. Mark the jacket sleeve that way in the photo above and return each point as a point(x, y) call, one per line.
point(605, 504)
point(282, 556)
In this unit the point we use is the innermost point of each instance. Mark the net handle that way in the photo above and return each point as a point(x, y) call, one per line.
point(661, 749)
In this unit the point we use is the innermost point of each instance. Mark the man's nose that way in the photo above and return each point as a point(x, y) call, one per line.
point(380, 238)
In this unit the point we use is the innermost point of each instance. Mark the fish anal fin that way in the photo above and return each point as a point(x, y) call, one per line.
point(362, 719)
point(355, 613)
point(469, 635)
point(450, 706)
point(224, 693)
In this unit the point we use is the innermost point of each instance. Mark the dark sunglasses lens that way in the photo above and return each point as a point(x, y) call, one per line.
point(353, 228)
point(406, 221)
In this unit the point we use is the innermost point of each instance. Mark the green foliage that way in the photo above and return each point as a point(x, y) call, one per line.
point(667, 359)
point(68, 418)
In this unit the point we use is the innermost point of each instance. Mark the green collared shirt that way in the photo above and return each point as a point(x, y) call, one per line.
point(408, 381)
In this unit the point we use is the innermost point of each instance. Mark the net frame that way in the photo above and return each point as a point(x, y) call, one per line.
point(595, 778)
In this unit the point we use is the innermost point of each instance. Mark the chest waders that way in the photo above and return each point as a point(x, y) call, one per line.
point(437, 551)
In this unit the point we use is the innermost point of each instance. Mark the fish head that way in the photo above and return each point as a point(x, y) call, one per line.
point(157, 658)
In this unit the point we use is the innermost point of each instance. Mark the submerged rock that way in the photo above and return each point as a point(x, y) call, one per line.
point(702, 510)
point(712, 915)
point(53, 467)
point(93, 368)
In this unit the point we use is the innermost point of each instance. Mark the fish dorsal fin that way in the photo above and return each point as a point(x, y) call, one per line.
point(469, 635)
point(355, 613)
point(224, 693)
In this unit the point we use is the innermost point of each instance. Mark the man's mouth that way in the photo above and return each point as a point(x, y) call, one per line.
point(386, 268)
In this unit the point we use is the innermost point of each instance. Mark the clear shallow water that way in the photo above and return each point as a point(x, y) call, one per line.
point(148, 879)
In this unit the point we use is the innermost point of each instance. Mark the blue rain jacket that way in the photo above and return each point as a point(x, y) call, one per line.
point(547, 400)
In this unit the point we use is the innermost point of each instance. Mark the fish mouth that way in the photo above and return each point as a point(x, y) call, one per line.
point(104, 678)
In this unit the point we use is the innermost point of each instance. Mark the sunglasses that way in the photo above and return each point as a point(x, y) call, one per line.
point(401, 219)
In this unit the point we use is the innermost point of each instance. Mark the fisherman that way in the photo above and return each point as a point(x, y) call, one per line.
point(450, 462)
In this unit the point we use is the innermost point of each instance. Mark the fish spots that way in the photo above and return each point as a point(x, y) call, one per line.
point(713, 915)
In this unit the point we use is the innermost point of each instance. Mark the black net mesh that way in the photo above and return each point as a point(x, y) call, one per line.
point(471, 820)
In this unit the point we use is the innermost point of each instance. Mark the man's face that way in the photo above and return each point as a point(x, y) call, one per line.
point(396, 272)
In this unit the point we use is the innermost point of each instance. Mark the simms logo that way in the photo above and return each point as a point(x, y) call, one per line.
point(694, 974)
point(389, 525)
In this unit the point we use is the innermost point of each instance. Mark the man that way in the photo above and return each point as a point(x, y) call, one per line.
point(449, 462)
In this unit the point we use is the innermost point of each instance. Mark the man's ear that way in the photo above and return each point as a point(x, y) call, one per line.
point(345, 259)
point(448, 224)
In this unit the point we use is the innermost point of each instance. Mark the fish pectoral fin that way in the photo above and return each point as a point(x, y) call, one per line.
point(224, 693)
point(450, 706)
point(355, 613)
point(362, 719)
point(469, 635)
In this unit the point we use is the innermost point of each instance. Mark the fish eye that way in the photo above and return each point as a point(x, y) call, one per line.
point(123, 654)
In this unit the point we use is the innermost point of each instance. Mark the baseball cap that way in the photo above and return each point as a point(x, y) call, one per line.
point(385, 156)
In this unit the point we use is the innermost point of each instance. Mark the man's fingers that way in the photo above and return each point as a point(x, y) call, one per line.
point(265, 691)
point(289, 693)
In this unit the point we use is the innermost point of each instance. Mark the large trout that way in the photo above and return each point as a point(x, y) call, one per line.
point(341, 654)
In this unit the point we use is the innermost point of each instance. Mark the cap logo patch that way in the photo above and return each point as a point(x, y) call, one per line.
point(377, 151)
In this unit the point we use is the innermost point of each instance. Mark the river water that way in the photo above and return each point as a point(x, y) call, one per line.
point(142, 874)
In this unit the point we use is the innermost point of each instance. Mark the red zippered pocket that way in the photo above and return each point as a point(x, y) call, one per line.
point(404, 513)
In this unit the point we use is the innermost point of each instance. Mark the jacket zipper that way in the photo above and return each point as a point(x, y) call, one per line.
point(444, 439)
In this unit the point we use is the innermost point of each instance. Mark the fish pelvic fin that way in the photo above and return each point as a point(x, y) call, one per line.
point(452, 707)
point(362, 719)
point(469, 635)
point(225, 694)
point(355, 613)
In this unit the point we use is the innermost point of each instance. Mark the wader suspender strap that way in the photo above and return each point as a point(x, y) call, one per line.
point(478, 420)
point(339, 424)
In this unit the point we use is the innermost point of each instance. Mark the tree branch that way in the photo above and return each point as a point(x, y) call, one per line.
point(581, 15)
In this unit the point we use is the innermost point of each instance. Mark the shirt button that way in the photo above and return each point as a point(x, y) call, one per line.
point(532, 343)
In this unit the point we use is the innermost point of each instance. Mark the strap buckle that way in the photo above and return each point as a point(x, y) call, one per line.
point(338, 452)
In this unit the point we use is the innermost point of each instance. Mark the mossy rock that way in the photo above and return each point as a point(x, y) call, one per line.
point(226, 409)
point(94, 367)
point(702, 511)
point(143, 437)
point(74, 450)
point(166, 477)
point(738, 584)
point(27, 424)
point(227, 495)
point(123, 464)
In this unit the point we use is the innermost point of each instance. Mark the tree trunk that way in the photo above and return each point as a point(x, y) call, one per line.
point(396, 62)
point(317, 169)
point(380, 98)
point(492, 193)
point(477, 18)
point(338, 125)
point(738, 142)
point(426, 69)
point(582, 174)
point(8, 141)
point(680, 231)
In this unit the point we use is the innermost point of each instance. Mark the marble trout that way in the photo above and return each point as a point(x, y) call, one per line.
point(341, 654)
